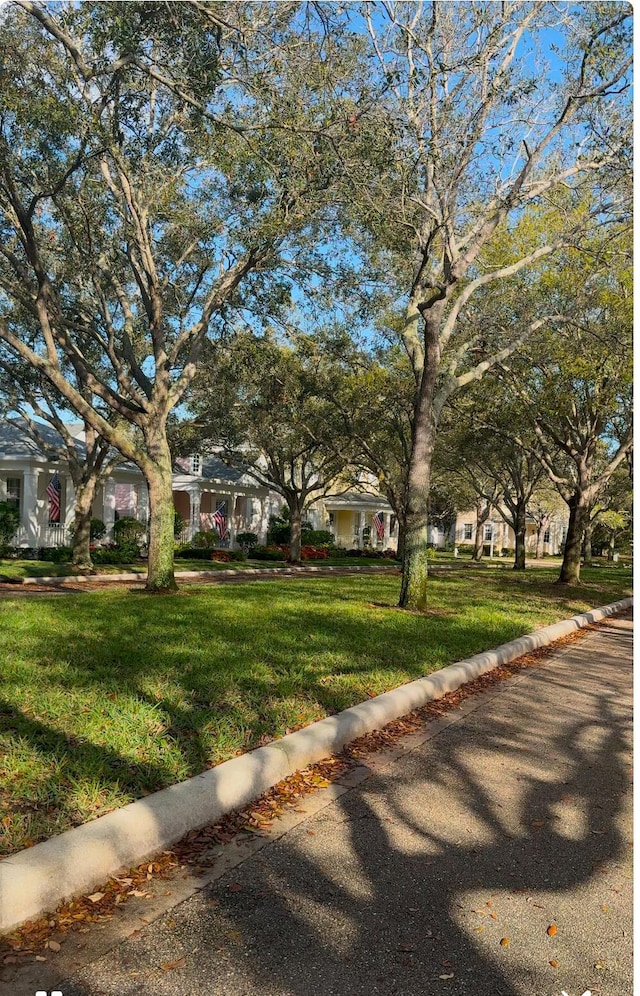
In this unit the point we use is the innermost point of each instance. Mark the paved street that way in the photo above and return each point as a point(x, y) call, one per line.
point(493, 857)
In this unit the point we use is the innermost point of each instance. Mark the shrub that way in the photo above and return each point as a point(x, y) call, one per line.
point(116, 553)
point(178, 523)
point(247, 541)
point(9, 521)
point(314, 552)
point(194, 553)
point(128, 531)
point(317, 537)
point(223, 556)
point(237, 555)
point(205, 539)
point(267, 553)
point(338, 551)
point(97, 529)
point(57, 554)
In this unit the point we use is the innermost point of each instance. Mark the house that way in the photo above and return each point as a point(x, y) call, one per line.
point(207, 494)
point(499, 538)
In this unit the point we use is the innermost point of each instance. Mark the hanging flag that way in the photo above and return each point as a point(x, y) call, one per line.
point(378, 524)
point(53, 494)
point(220, 519)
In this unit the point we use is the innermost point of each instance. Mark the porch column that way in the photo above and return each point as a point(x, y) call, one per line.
point(29, 515)
point(231, 519)
point(109, 507)
point(143, 503)
point(263, 521)
point(386, 518)
point(69, 499)
point(194, 512)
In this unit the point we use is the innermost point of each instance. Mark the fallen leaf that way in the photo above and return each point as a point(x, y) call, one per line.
point(136, 892)
point(235, 887)
point(446, 976)
point(406, 947)
point(605, 909)
point(552, 930)
point(96, 897)
point(40, 958)
point(494, 916)
point(54, 946)
point(505, 942)
point(170, 965)
point(311, 833)
point(553, 963)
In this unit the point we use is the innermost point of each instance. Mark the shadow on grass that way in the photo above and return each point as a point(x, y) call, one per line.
point(222, 670)
point(383, 896)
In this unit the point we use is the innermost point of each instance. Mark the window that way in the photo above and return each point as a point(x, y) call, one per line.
point(547, 536)
point(488, 532)
point(13, 491)
point(468, 531)
point(195, 463)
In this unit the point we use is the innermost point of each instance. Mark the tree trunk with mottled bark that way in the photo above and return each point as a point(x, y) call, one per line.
point(413, 591)
point(159, 476)
point(520, 529)
point(81, 541)
point(578, 515)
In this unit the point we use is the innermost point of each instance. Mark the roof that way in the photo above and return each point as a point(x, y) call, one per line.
point(351, 498)
point(16, 441)
point(216, 470)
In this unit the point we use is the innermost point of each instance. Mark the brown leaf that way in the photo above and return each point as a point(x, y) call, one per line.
point(96, 897)
point(235, 887)
point(505, 942)
point(406, 947)
point(553, 963)
point(552, 930)
point(170, 965)
point(311, 833)
point(494, 916)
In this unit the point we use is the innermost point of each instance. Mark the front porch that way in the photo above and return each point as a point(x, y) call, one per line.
point(361, 522)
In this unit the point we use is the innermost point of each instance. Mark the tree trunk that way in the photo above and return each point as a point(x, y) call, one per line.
point(481, 518)
point(578, 513)
point(612, 546)
point(542, 527)
point(295, 545)
point(402, 531)
point(520, 529)
point(586, 543)
point(81, 542)
point(413, 590)
point(158, 473)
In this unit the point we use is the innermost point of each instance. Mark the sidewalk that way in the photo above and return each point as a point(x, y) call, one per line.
point(441, 872)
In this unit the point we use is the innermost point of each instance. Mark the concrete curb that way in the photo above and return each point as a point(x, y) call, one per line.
point(42, 877)
point(206, 575)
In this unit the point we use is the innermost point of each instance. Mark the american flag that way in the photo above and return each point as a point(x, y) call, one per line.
point(220, 519)
point(378, 524)
point(53, 494)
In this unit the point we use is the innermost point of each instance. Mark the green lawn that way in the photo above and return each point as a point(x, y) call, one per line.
point(108, 696)
point(11, 569)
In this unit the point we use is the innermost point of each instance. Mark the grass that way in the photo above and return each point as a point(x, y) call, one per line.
point(14, 569)
point(109, 696)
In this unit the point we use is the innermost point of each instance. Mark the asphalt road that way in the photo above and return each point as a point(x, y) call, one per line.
point(444, 871)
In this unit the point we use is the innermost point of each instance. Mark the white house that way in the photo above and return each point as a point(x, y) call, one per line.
point(205, 492)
